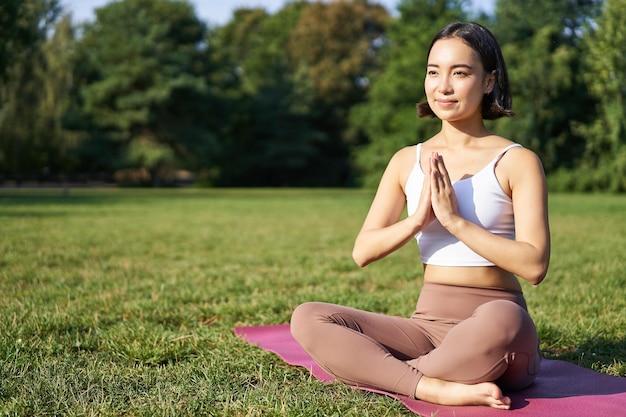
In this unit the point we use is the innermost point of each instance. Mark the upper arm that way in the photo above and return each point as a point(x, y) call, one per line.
point(389, 201)
point(528, 188)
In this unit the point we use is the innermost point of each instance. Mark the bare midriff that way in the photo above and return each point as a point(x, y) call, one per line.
point(471, 276)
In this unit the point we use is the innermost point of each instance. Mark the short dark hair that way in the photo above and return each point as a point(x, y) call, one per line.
point(499, 102)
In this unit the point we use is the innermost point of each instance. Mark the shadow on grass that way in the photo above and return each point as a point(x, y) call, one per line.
point(597, 353)
point(36, 196)
point(46, 202)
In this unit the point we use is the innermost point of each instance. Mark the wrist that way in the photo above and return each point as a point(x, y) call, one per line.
point(414, 225)
point(453, 224)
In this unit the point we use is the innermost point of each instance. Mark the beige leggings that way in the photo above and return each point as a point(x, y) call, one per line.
point(461, 334)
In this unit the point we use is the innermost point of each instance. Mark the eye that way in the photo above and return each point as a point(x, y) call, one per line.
point(431, 73)
point(461, 73)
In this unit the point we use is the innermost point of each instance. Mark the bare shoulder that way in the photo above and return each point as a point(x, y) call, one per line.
point(520, 165)
point(521, 158)
point(402, 159)
point(406, 153)
point(402, 163)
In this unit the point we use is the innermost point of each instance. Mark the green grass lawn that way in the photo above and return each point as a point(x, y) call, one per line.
point(123, 302)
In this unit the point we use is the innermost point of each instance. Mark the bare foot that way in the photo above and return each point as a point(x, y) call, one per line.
point(442, 392)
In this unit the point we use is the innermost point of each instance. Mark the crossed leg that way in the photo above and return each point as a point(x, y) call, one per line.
point(497, 343)
point(361, 348)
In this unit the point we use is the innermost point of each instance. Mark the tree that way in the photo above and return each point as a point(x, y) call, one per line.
point(268, 139)
point(336, 47)
point(517, 21)
point(24, 26)
point(541, 43)
point(388, 118)
point(56, 74)
point(604, 162)
point(141, 79)
point(334, 42)
point(283, 143)
point(288, 122)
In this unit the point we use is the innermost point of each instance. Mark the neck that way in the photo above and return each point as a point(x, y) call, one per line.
point(463, 132)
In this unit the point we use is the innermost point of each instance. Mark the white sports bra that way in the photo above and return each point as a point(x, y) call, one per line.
point(481, 200)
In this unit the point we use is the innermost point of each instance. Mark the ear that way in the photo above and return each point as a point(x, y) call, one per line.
point(490, 82)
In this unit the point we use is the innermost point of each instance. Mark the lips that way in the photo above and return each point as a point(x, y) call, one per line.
point(446, 103)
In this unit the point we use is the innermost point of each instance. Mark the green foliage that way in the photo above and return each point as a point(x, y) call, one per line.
point(270, 137)
point(541, 43)
point(334, 42)
point(23, 25)
point(29, 88)
point(143, 82)
point(123, 302)
point(516, 21)
point(388, 117)
point(604, 163)
point(289, 100)
point(316, 94)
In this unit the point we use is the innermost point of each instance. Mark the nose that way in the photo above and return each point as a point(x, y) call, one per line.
point(444, 86)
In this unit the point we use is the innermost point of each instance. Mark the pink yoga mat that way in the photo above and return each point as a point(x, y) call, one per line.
point(561, 389)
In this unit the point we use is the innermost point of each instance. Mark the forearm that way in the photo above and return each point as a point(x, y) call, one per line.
point(374, 244)
point(524, 259)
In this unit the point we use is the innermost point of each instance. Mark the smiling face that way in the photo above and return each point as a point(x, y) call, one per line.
point(456, 81)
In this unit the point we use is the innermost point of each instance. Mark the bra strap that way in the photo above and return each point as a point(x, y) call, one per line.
point(505, 150)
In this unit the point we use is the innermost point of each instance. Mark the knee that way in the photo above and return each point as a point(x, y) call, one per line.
point(302, 320)
point(508, 319)
point(502, 312)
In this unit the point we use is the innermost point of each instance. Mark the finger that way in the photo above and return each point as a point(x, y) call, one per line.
point(428, 182)
point(438, 182)
point(434, 169)
point(434, 178)
point(444, 171)
point(426, 188)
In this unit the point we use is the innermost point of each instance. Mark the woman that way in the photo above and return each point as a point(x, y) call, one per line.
point(477, 205)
